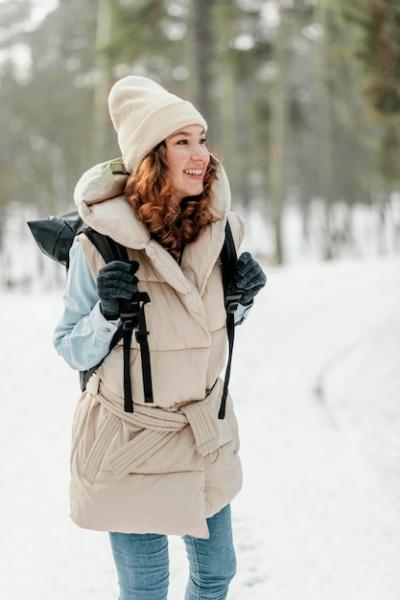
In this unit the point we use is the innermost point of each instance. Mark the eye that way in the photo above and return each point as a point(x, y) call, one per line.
point(203, 141)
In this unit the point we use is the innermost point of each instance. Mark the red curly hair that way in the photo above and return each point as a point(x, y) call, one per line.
point(149, 192)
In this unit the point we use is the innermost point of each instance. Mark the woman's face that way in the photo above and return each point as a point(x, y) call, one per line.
point(187, 151)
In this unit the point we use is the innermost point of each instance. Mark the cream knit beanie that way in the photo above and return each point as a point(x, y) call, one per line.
point(143, 114)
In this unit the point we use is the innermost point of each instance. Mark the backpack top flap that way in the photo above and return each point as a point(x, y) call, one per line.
point(55, 235)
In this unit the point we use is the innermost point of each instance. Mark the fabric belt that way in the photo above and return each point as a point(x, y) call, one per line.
point(159, 427)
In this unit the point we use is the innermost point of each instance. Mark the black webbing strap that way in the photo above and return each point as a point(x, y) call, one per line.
point(128, 398)
point(132, 317)
point(141, 338)
point(228, 259)
point(109, 250)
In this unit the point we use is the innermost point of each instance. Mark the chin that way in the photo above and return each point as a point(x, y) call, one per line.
point(195, 191)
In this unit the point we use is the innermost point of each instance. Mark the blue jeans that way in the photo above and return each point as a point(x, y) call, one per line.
point(143, 565)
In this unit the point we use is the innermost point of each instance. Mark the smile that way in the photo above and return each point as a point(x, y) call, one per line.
point(195, 174)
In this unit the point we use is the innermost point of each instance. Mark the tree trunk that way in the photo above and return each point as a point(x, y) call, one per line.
point(203, 60)
point(101, 119)
point(277, 146)
point(242, 142)
point(324, 115)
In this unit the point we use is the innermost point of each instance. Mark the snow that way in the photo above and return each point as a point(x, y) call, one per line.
point(316, 385)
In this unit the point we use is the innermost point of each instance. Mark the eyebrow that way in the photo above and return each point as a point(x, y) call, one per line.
point(186, 133)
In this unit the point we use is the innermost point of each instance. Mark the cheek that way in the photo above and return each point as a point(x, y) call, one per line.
point(175, 162)
point(206, 156)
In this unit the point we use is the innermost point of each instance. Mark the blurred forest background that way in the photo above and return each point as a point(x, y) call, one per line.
point(302, 98)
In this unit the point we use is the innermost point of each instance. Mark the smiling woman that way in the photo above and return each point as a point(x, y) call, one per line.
point(170, 465)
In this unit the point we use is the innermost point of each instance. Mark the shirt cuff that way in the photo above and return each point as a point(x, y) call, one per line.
point(100, 323)
point(242, 311)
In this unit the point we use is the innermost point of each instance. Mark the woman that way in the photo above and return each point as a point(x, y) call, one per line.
point(171, 467)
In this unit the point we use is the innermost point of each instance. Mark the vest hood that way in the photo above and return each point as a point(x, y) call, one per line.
point(100, 200)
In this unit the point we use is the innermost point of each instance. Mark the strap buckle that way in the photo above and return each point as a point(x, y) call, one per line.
point(128, 324)
point(232, 301)
point(131, 309)
point(141, 335)
point(117, 166)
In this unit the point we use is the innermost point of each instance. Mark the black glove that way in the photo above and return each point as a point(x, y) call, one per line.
point(249, 278)
point(116, 280)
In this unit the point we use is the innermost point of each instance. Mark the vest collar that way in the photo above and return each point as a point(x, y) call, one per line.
point(113, 216)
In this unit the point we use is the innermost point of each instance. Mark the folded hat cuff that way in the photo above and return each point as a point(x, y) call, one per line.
point(153, 129)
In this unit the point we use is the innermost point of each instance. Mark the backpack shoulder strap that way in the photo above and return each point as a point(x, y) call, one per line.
point(109, 249)
point(228, 259)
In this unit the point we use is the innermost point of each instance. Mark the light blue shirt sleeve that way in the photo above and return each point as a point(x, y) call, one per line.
point(241, 312)
point(83, 335)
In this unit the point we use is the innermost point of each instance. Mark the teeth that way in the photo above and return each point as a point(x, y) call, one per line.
point(193, 171)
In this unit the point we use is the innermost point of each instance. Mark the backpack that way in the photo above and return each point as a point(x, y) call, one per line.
point(55, 236)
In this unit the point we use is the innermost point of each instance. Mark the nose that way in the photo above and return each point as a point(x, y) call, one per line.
point(200, 153)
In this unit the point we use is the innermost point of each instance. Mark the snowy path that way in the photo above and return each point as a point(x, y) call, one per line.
point(318, 516)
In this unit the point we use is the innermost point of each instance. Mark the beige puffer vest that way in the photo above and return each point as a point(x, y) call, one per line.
point(167, 466)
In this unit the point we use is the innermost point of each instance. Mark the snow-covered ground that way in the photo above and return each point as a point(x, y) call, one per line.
point(316, 384)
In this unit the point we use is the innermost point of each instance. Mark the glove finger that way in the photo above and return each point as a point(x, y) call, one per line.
point(245, 257)
point(250, 284)
point(134, 265)
point(245, 265)
point(115, 287)
point(117, 265)
point(247, 299)
point(124, 268)
point(113, 293)
point(242, 263)
point(132, 280)
point(130, 287)
point(115, 277)
point(258, 279)
point(245, 276)
point(126, 294)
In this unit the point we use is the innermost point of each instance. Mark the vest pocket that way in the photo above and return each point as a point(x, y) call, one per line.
point(228, 433)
